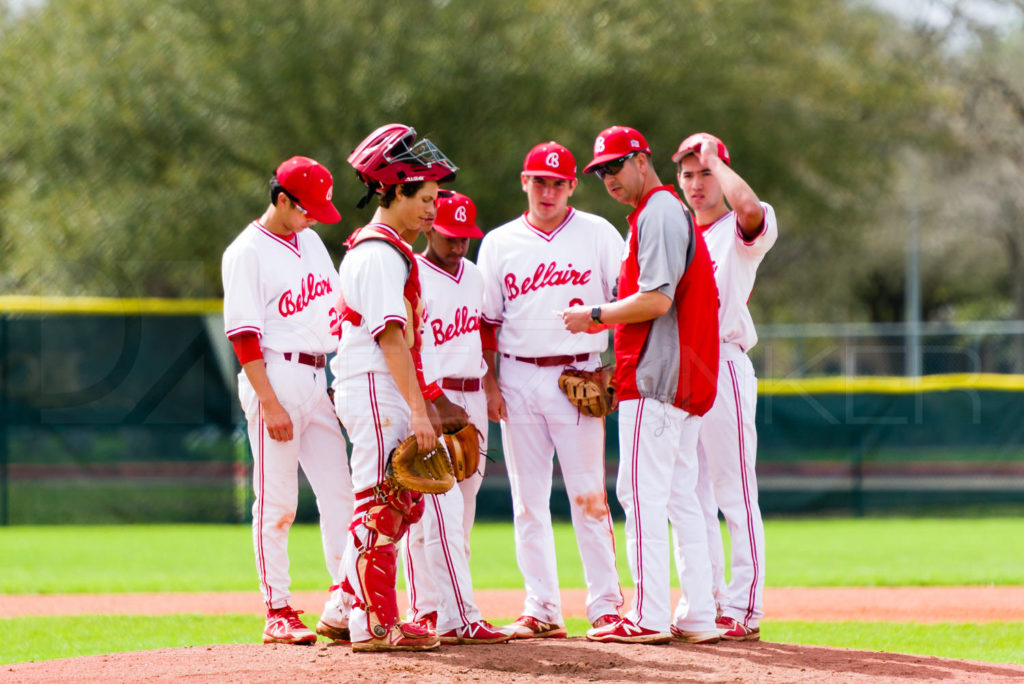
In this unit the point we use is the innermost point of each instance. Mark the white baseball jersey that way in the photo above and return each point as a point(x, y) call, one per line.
point(451, 321)
point(736, 260)
point(283, 292)
point(530, 276)
point(362, 272)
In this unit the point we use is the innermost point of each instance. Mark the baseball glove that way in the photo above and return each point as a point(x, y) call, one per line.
point(464, 450)
point(428, 472)
point(592, 392)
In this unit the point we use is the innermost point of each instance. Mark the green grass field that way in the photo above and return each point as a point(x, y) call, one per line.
point(186, 558)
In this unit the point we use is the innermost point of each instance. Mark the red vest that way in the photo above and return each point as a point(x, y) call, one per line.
point(696, 305)
point(410, 293)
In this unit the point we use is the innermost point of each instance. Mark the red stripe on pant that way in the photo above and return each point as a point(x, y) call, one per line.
point(448, 559)
point(260, 558)
point(741, 444)
point(634, 466)
point(375, 410)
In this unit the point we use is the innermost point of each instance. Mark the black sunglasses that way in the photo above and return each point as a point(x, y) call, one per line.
point(613, 167)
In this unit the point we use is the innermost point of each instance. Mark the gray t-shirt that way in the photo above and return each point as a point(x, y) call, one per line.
point(665, 248)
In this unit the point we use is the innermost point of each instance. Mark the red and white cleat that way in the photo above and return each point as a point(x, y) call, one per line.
point(529, 627)
point(625, 632)
point(284, 627)
point(428, 621)
point(406, 636)
point(605, 620)
point(479, 632)
point(734, 630)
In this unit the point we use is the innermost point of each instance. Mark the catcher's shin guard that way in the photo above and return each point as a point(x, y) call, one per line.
point(377, 570)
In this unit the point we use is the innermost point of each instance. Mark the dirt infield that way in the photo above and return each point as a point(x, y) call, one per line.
point(569, 660)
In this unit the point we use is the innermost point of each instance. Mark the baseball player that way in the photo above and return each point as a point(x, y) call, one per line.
point(437, 547)
point(551, 257)
point(280, 289)
point(737, 240)
point(666, 352)
point(379, 384)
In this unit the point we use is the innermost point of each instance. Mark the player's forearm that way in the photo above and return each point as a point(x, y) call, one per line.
point(636, 308)
point(401, 367)
point(743, 200)
point(256, 372)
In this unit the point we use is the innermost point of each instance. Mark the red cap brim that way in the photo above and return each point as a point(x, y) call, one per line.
point(458, 231)
point(601, 159)
point(323, 213)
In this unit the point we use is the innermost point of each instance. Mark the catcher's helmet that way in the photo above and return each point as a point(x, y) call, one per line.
point(392, 155)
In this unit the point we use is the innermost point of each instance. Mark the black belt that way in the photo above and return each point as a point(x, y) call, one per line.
point(461, 384)
point(550, 360)
point(314, 360)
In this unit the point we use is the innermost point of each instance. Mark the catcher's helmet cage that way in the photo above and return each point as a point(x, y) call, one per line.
point(391, 155)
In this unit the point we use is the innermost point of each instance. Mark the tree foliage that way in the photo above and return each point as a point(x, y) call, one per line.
point(136, 137)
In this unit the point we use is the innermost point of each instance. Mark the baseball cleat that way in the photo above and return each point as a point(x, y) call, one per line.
point(284, 627)
point(406, 636)
point(428, 621)
point(710, 636)
point(734, 630)
point(333, 632)
point(605, 620)
point(624, 631)
point(479, 632)
point(529, 627)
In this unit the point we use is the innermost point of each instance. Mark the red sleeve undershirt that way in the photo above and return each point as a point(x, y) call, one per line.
point(247, 347)
point(488, 336)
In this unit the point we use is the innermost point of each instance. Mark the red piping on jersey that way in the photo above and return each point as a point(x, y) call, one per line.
point(549, 236)
point(294, 247)
point(458, 273)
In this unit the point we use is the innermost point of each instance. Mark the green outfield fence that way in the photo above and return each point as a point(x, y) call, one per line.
point(125, 410)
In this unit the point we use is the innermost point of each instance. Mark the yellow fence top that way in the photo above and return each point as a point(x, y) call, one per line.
point(878, 384)
point(108, 305)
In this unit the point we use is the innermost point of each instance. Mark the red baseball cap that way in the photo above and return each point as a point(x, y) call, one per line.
point(692, 145)
point(456, 216)
point(312, 185)
point(615, 142)
point(550, 160)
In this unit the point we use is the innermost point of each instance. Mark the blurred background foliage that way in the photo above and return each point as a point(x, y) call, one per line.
point(137, 137)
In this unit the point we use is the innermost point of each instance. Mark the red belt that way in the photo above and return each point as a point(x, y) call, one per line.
point(461, 384)
point(314, 360)
point(550, 360)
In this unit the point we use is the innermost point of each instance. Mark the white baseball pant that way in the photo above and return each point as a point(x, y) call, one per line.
point(319, 448)
point(657, 483)
point(421, 575)
point(541, 421)
point(728, 450)
point(377, 419)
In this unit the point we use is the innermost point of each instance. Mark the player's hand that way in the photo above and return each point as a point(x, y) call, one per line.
point(453, 417)
point(278, 422)
point(496, 409)
point(426, 436)
point(435, 418)
point(707, 154)
point(577, 320)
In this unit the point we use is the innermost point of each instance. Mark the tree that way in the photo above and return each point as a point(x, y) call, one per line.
point(138, 136)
